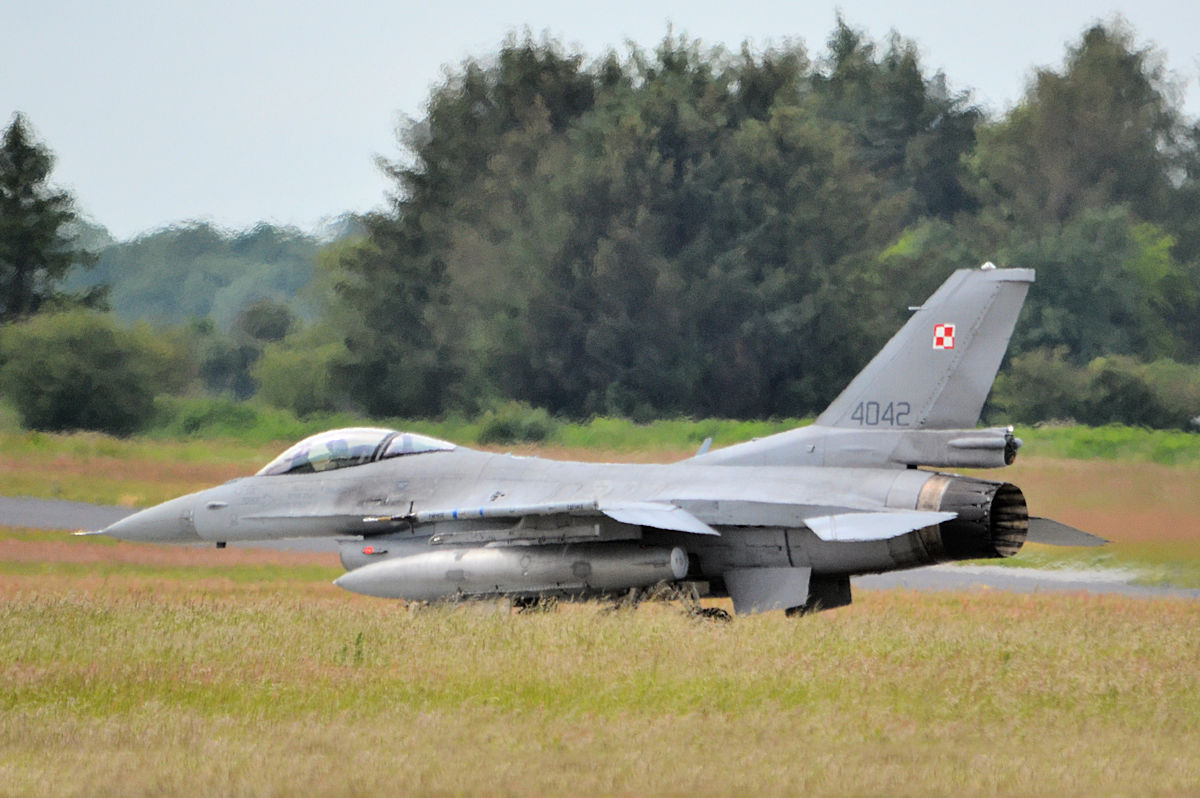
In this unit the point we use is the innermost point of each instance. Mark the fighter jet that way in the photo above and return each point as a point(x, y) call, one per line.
point(778, 523)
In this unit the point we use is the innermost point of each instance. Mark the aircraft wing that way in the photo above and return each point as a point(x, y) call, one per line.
point(828, 523)
point(659, 515)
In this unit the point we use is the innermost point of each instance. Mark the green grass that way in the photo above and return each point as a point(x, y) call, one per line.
point(1113, 442)
point(668, 434)
point(184, 419)
point(223, 423)
point(94, 445)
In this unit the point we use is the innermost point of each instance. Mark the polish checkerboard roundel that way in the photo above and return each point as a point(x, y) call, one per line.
point(943, 336)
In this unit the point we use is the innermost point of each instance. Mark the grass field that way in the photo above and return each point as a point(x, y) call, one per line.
point(132, 669)
point(253, 678)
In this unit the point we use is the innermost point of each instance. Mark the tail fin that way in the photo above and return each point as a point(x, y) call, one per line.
point(936, 372)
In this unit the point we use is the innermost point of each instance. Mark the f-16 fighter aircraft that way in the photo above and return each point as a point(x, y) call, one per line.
point(776, 523)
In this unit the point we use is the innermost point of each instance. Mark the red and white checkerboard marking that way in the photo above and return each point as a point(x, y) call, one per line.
point(943, 336)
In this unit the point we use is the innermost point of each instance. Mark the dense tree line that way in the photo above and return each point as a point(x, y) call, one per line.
point(197, 270)
point(677, 232)
point(697, 231)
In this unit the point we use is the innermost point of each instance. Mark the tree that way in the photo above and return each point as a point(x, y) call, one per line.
point(1101, 132)
point(266, 320)
point(36, 246)
point(387, 289)
point(1107, 284)
point(680, 231)
point(297, 374)
point(689, 231)
point(908, 128)
point(391, 290)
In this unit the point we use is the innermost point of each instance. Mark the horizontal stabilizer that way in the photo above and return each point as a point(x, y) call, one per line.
point(1053, 533)
point(873, 526)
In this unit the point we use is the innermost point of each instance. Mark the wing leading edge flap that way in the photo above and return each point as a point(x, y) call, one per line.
point(659, 516)
point(847, 527)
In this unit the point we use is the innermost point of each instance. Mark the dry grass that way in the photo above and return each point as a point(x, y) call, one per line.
point(1126, 502)
point(1150, 512)
point(95, 468)
point(133, 684)
point(130, 669)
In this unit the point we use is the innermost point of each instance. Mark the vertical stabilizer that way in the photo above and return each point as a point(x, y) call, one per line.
point(918, 401)
point(936, 372)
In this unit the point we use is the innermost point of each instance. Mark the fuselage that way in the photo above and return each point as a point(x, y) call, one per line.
point(337, 502)
point(751, 507)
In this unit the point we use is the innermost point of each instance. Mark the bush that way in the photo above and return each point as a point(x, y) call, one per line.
point(221, 417)
point(1042, 386)
point(79, 370)
point(516, 422)
point(299, 379)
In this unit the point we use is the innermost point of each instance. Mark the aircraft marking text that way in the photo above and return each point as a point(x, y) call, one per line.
point(879, 414)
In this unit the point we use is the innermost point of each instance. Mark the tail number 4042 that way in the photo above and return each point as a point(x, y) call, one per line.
point(880, 414)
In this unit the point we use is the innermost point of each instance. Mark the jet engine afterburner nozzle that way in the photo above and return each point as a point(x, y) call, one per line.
point(991, 517)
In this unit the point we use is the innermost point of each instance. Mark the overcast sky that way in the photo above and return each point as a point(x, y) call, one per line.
point(239, 111)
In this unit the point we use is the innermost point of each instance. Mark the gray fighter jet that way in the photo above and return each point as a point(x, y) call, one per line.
point(782, 522)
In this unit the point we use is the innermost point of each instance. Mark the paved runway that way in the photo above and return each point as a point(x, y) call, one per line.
point(58, 514)
point(1018, 580)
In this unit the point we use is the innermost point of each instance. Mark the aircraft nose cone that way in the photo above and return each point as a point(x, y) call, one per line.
point(170, 522)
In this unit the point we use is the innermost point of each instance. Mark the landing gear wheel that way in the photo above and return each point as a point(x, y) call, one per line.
point(530, 604)
point(712, 614)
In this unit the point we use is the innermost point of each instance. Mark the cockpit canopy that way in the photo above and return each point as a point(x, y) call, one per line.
point(342, 448)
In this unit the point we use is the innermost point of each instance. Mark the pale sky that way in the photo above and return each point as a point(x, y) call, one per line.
point(238, 111)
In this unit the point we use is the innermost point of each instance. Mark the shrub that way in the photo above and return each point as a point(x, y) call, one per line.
point(299, 379)
point(516, 422)
point(1042, 386)
point(78, 370)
